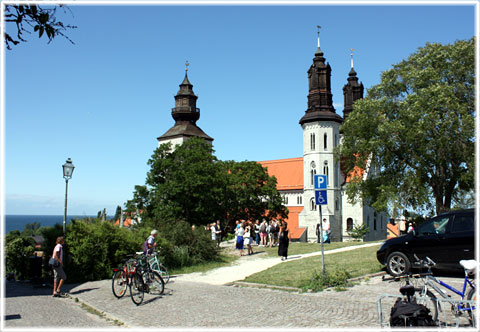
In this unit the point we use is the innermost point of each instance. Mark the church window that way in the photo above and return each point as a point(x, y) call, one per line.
point(336, 140)
point(312, 142)
point(299, 200)
point(312, 175)
point(374, 221)
point(349, 224)
point(337, 204)
point(285, 199)
point(312, 204)
point(325, 170)
point(325, 141)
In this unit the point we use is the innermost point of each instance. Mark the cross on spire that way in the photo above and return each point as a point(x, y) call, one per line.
point(351, 57)
point(318, 35)
point(186, 65)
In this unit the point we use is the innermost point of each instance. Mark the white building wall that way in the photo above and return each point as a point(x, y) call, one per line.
point(318, 157)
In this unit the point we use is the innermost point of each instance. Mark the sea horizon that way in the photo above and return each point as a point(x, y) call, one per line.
point(18, 221)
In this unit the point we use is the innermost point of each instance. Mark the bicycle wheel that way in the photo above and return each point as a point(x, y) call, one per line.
point(471, 296)
point(164, 272)
point(137, 289)
point(156, 284)
point(119, 283)
point(429, 301)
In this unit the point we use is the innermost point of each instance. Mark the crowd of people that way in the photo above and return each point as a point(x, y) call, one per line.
point(271, 234)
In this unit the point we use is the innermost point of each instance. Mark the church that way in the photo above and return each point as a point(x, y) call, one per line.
point(321, 134)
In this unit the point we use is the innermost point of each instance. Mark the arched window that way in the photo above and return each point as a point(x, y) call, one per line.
point(312, 142)
point(312, 204)
point(375, 221)
point(325, 169)
point(337, 204)
point(349, 224)
point(325, 141)
point(312, 174)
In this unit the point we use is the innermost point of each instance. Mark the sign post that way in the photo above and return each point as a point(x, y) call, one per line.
point(321, 199)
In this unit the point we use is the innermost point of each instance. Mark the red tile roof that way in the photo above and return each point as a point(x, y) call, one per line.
point(289, 172)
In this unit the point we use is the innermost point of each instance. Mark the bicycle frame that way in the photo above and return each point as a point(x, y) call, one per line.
point(432, 281)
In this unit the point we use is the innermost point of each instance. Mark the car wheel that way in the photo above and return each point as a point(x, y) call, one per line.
point(397, 264)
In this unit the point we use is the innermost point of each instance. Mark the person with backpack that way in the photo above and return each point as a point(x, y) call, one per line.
point(257, 232)
point(150, 244)
point(59, 275)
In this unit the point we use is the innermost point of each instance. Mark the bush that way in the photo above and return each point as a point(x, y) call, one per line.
point(338, 279)
point(358, 232)
point(18, 249)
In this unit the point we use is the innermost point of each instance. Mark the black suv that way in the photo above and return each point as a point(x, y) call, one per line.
point(446, 239)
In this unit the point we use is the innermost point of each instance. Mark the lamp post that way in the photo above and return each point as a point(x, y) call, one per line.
point(67, 175)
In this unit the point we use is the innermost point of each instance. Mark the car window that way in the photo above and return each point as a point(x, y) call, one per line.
point(433, 226)
point(463, 223)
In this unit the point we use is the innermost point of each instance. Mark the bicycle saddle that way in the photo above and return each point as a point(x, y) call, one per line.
point(407, 290)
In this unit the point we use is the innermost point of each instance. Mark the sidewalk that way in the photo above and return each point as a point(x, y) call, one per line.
point(248, 265)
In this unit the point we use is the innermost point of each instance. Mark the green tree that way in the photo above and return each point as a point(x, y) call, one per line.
point(358, 232)
point(18, 249)
point(249, 193)
point(415, 130)
point(42, 20)
point(184, 183)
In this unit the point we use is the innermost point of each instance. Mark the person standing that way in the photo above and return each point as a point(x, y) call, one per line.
point(326, 230)
point(257, 232)
point(213, 230)
point(263, 233)
point(410, 227)
point(150, 244)
point(247, 238)
point(402, 227)
point(283, 241)
point(317, 232)
point(219, 231)
point(239, 233)
point(59, 275)
point(270, 230)
point(276, 231)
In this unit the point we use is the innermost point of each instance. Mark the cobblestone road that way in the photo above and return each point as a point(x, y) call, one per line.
point(26, 306)
point(192, 304)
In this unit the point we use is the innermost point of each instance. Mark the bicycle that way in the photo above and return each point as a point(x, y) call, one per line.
point(122, 277)
point(464, 306)
point(145, 280)
point(157, 266)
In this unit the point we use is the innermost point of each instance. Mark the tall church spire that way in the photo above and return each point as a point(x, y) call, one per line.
point(352, 91)
point(320, 105)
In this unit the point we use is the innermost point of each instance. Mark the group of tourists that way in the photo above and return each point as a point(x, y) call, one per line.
point(248, 232)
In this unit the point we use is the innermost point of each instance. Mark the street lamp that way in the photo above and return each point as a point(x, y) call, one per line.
point(67, 175)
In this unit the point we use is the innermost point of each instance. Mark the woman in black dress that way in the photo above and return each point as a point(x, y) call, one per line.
point(283, 241)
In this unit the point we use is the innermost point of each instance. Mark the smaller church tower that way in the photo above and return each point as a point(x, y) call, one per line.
point(352, 91)
point(185, 113)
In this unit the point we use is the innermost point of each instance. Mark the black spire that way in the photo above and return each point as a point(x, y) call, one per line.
point(320, 105)
point(352, 91)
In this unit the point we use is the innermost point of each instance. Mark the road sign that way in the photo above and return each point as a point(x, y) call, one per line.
point(320, 181)
point(321, 197)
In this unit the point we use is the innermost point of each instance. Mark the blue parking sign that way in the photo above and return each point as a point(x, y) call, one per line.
point(321, 197)
point(320, 181)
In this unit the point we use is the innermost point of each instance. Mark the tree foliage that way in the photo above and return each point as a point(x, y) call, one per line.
point(190, 184)
point(415, 130)
point(31, 16)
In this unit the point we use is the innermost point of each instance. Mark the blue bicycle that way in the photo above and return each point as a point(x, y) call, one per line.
point(465, 306)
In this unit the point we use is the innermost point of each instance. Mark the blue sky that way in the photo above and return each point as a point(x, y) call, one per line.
point(105, 100)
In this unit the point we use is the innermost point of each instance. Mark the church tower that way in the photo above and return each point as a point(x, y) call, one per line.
point(321, 135)
point(185, 113)
point(352, 91)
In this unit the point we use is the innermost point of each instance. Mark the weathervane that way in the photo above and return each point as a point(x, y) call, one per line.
point(351, 56)
point(186, 65)
point(318, 35)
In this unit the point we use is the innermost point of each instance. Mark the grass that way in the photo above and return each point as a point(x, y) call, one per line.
point(299, 273)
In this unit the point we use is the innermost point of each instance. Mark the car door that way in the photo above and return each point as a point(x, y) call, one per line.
point(429, 239)
point(461, 239)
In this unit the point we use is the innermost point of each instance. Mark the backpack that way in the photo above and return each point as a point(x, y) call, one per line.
point(263, 228)
point(410, 314)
